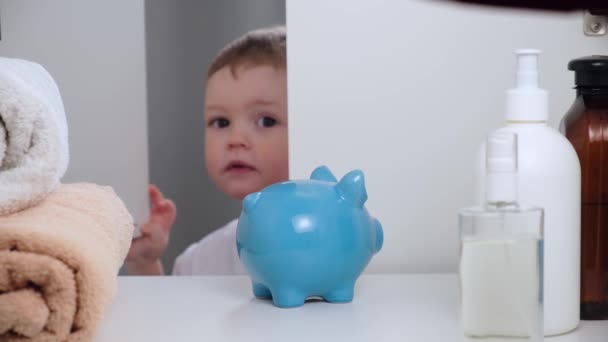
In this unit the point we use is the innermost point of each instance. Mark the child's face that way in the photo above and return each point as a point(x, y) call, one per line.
point(246, 128)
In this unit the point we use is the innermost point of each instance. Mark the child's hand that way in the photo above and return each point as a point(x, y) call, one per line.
point(150, 246)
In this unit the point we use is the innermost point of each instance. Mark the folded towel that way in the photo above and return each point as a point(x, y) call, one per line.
point(33, 135)
point(58, 263)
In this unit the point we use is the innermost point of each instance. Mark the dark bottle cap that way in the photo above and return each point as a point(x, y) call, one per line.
point(590, 71)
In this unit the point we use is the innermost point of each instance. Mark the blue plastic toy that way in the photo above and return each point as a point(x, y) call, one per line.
point(305, 238)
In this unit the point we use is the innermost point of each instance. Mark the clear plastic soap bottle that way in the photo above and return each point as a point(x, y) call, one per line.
point(501, 255)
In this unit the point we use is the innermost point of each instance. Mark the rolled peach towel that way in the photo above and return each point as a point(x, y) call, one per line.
point(59, 261)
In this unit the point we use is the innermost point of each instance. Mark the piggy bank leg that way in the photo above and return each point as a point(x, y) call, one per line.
point(341, 294)
point(286, 297)
point(261, 291)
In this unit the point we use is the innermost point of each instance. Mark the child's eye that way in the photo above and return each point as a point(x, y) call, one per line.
point(219, 123)
point(266, 121)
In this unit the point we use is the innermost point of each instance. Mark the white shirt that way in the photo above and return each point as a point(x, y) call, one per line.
point(214, 254)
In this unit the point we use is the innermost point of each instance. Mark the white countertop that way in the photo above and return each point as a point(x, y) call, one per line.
point(399, 307)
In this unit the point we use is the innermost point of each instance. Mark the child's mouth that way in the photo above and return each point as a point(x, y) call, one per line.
point(239, 168)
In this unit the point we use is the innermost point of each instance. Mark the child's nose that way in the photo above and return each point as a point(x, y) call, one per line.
point(239, 138)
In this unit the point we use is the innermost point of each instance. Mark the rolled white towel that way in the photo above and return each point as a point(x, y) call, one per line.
point(34, 152)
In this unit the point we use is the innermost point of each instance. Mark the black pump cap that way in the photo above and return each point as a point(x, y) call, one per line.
point(590, 71)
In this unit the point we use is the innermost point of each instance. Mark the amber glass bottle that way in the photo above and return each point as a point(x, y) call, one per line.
point(586, 126)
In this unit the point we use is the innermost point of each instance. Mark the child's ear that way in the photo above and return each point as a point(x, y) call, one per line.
point(323, 173)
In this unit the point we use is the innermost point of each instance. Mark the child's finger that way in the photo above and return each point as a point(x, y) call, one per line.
point(158, 208)
point(171, 212)
point(149, 230)
point(155, 195)
point(145, 229)
point(165, 205)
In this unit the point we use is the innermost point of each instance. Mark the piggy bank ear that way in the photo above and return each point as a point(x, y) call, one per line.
point(352, 188)
point(322, 173)
point(250, 201)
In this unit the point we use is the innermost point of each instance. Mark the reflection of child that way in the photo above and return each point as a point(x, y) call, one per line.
point(245, 150)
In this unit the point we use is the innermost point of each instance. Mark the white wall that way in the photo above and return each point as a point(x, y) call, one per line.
point(406, 91)
point(95, 50)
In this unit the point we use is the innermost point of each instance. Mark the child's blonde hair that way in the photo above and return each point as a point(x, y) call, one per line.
point(266, 46)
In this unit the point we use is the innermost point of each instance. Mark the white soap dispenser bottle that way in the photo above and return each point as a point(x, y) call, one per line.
point(549, 176)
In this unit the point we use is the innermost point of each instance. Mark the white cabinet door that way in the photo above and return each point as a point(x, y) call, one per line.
point(406, 90)
point(95, 50)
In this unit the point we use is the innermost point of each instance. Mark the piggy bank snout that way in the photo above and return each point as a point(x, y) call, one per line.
point(377, 227)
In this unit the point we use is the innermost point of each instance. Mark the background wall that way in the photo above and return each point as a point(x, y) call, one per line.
point(182, 38)
point(406, 90)
point(403, 89)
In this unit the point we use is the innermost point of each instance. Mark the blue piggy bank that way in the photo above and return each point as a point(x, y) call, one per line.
point(299, 239)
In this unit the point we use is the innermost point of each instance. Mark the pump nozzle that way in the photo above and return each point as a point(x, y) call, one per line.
point(527, 68)
point(527, 102)
point(501, 167)
point(501, 155)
